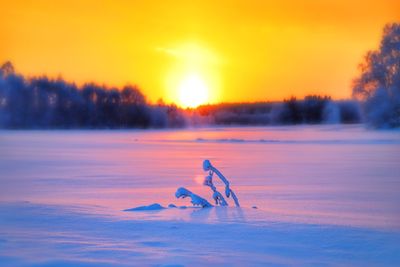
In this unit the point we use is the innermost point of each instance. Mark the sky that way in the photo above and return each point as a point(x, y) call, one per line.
point(194, 52)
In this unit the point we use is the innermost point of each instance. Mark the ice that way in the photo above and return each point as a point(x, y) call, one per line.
point(324, 196)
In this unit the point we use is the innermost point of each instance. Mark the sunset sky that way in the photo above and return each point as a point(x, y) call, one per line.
point(192, 52)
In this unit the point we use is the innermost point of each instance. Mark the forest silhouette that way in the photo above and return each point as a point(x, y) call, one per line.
point(42, 102)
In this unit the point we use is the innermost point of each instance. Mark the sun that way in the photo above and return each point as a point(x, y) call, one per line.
point(192, 75)
point(192, 91)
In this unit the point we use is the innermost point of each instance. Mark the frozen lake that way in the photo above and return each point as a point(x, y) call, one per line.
point(306, 181)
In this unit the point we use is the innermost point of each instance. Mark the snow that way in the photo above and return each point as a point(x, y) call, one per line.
point(49, 235)
point(154, 206)
point(316, 196)
point(195, 199)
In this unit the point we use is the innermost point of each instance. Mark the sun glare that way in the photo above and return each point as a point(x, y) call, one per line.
point(193, 91)
point(193, 75)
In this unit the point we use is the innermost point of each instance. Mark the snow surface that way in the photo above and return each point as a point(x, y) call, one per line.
point(325, 196)
point(154, 206)
point(54, 235)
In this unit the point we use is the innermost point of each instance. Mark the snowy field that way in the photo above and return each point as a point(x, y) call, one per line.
point(325, 196)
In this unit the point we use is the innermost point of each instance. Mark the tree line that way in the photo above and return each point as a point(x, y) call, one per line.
point(41, 102)
point(313, 109)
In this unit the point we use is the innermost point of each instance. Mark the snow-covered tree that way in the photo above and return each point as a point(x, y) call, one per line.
point(379, 82)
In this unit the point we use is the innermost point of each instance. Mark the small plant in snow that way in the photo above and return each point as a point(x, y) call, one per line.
point(217, 196)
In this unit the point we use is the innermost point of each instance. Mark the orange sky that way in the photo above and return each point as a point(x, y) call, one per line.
point(239, 50)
